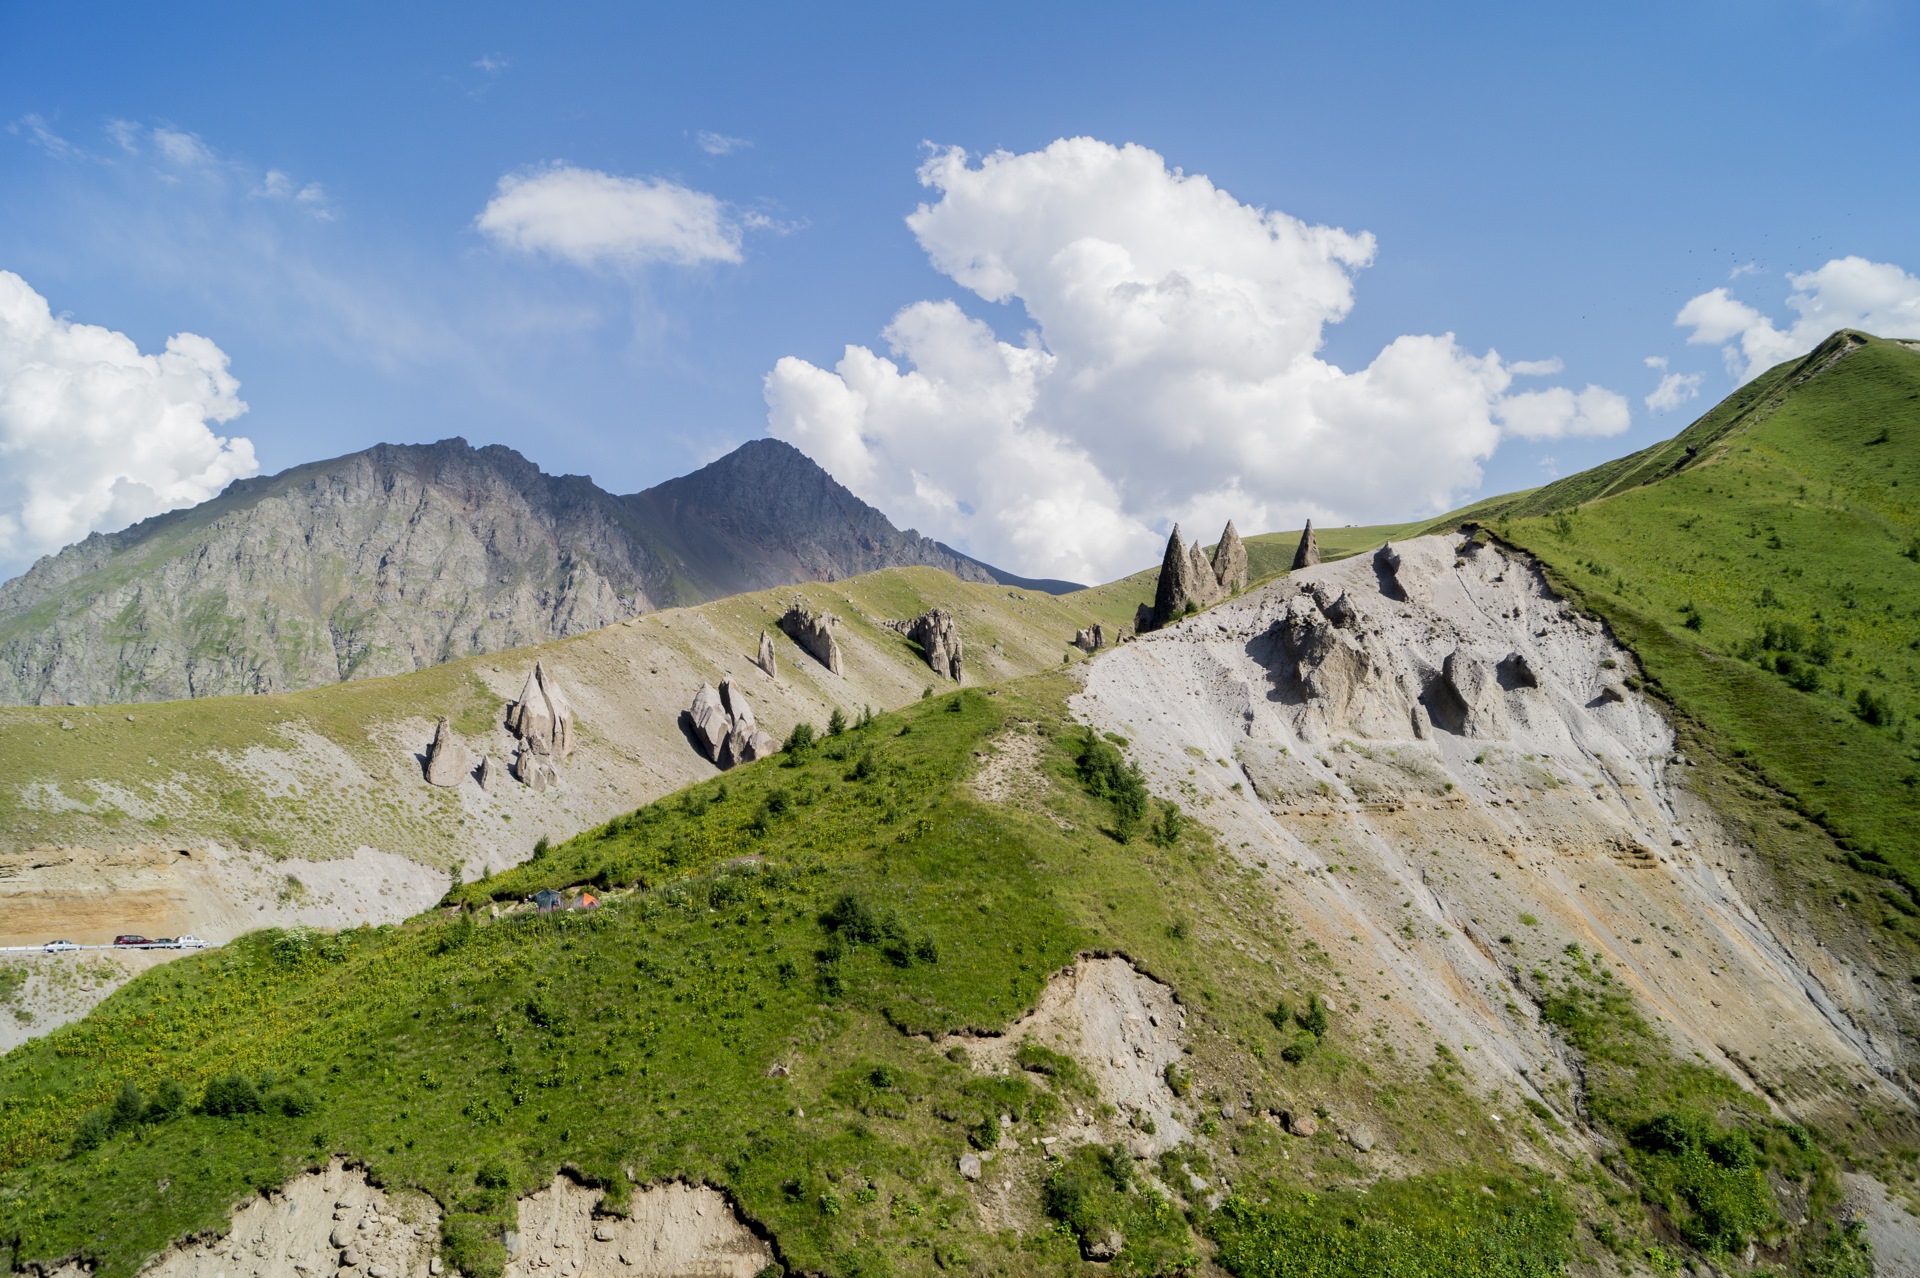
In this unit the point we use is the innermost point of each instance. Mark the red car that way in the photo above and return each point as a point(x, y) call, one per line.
point(131, 939)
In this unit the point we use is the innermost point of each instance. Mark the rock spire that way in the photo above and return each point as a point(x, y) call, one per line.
point(1188, 579)
point(724, 727)
point(1308, 553)
point(447, 759)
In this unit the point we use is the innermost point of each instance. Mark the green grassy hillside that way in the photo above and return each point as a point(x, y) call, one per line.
point(825, 910)
point(1770, 581)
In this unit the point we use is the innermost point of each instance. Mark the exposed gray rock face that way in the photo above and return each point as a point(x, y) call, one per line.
point(1189, 579)
point(724, 727)
point(814, 634)
point(447, 759)
point(488, 775)
point(542, 717)
point(766, 659)
point(402, 557)
point(1339, 666)
point(1092, 639)
point(938, 637)
point(1386, 562)
point(1307, 554)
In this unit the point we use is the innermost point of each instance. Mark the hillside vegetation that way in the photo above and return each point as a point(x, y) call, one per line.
point(1765, 566)
point(750, 1006)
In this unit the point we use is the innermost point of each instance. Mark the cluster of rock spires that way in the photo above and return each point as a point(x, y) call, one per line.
point(1188, 579)
point(724, 727)
point(939, 638)
point(813, 632)
point(1091, 639)
point(541, 720)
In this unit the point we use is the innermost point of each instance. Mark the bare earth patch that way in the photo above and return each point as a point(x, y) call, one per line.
point(673, 1231)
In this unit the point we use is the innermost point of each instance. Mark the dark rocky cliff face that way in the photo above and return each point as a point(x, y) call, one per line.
point(405, 556)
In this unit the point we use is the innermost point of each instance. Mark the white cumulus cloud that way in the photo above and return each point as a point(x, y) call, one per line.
point(1848, 292)
point(1171, 373)
point(1674, 390)
point(591, 219)
point(95, 435)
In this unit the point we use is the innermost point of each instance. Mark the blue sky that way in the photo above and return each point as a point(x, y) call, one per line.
point(302, 187)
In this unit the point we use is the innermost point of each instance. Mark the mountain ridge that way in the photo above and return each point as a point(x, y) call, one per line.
point(402, 556)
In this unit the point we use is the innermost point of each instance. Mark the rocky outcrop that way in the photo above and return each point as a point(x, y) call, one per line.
point(1092, 639)
point(938, 637)
point(1468, 698)
point(542, 718)
point(403, 557)
point(1386, 562)
point(1190, 581)
point(1307, 554)
point(448, 762)
point(487, 775)
point(814, 633)
point(724, 728)
point(765, 659)
point(1339, 667)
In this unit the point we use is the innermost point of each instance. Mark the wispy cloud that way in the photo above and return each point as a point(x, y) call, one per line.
point(1674, 390)
point(492, 63)
point(719, 143)
point(37, 131)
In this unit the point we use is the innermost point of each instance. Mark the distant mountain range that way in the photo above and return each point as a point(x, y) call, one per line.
point(405, 556)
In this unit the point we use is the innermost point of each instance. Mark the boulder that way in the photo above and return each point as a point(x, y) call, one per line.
point(603, 1233)
point(1230, 562)
point(712, 725)
point(1361, 1138)
point(765, 660)
point(487, 774)
point(970, 1166)
point(1083, 640)
point(814, 633)
point(1301, 1124)
point(447, 760)
point(1468, 698)
point(724, 727)
point(1307, 554)
point(535, 769)
point(1103, 1244)
point(1515, 672)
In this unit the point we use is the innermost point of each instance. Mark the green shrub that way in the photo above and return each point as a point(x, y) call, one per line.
point(1314, 1019)
point(1166, 831)
point(231, 1095)
point(800, 740)
point(1107, 775)
point(94, 1127)
point(1707, 1177)
point(836, 722)
point(129, 1106)
point(169, 1099)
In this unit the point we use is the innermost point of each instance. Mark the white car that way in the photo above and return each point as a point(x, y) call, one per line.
point(58, 947)
point(189, 942)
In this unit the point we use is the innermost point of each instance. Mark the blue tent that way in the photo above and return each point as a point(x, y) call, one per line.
point(546, 899)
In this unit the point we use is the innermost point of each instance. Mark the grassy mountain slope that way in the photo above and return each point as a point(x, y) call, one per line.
point(822, 912)
point(318, 773)
point(1770, 580)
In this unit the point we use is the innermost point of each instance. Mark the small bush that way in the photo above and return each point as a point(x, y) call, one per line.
point(169, 1099)
point(231, 1095)
point(1166, 831)
point(1179, 1082)
point(1873, 709)
point(129, 1106)
point(1107, 775)
point(800, 740)
point(293, 1102)
point(541, 847)
point(836, 722)
point(1314, 1019)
